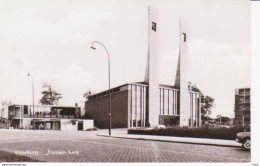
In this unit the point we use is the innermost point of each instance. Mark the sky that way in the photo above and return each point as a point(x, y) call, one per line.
point(51, 39)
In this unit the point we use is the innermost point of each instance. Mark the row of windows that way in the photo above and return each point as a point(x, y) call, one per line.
point(138, 106)
point(194, 107)
point(169, 102)
point(43, 111)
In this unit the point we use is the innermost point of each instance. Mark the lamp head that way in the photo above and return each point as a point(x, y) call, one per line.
point(93, 47)
point(29, 74)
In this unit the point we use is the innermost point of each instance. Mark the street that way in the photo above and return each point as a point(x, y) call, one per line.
point(85, 146)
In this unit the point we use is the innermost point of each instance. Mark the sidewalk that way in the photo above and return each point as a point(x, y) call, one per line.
point(202, 141)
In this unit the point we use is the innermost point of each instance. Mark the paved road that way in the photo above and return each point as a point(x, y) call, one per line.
point(80, 146)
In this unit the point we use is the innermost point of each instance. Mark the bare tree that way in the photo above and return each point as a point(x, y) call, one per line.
point(3, 120)
point(50, 96)
point(87, 94)
point(2, 110)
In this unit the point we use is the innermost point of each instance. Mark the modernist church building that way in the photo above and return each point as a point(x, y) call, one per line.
point(148, 103)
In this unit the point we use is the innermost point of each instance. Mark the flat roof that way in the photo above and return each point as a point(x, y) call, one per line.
point(116, 89)
point(18, 105)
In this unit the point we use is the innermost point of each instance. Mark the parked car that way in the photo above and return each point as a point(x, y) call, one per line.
point(245, 139)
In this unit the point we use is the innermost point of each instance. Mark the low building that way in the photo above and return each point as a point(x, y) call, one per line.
point(129, 106)
point(47, 117)
point(242, 106)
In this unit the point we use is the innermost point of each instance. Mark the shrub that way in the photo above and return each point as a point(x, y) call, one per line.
point(202, 132)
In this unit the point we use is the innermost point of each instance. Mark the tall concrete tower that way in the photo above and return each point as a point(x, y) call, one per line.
point(181, 77)
point(151, 75)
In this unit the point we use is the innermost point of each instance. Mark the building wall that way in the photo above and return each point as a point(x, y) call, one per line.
point(63, 124)
point(242, 106)
point(184, 70)
point(43, 111)
point(98, 108)
point(26, 123)
point(129, 107)
point(67, 125)
point(152, 78)
point(88, 124)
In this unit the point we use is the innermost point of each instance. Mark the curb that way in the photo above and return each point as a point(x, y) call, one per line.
point(160, 140)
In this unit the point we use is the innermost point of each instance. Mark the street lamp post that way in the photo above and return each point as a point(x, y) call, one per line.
point(30, 75)
point(20, 116)
point(109, 114)
point(243, 120)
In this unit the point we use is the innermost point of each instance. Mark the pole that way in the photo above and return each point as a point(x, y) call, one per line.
point(109, 115)
point(109, 91)
point(20, 116)
point(243, 120)
point(33, 102)
point(30, 75)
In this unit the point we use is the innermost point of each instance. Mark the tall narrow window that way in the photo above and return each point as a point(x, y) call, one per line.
point(154, 26)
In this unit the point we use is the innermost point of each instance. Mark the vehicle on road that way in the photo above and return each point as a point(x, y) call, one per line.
point(245, 139)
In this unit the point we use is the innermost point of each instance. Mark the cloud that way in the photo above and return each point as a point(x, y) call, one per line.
point(45, 38)
point(35, 40)
point(216, 68)
point(68, 28)
point(16, 86)
point(210, 48)
point(72, 82)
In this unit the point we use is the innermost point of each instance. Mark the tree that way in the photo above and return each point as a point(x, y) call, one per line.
point(2, 110)
point(86, 114)
point(223, 119)
point(50, 96)
point(88, 93)
point(3, 120)
point(2, 113)
point(206, 106)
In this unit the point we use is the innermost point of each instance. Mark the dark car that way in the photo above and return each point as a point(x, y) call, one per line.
point(245, 139)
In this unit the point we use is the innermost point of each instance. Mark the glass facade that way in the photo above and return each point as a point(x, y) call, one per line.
point(194, 107)
point(242, 106)
point(137, 105)
point(169, 101)
point(43, 111)
point(169, 106)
